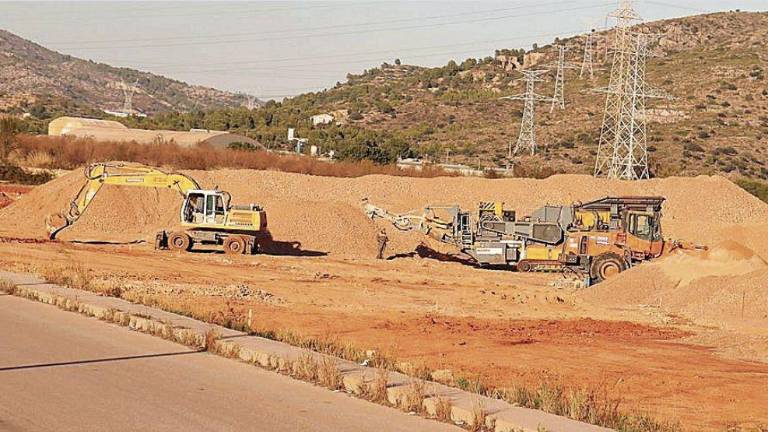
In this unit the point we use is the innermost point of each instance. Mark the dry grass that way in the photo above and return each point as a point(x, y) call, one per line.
point(412, 398)
point(479, 416)
point(229, 350)
point(595, 406)
point(7, 287)
point(376, 390)
point(305, 368)
point(211, 340)
point(73, 276)
point(443, 408)
point(328, 373)
point(70, 153)
point(38, 159)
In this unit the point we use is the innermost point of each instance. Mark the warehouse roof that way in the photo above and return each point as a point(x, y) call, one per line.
point(63, 125)
point(103, 130)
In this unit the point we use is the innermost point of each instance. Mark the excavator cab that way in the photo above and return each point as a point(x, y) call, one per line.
point(205, 207)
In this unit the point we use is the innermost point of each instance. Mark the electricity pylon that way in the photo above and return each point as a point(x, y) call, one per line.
point(128, 92)
point(558, 99)
point(251, 102)
point(586, 64)
point(622, 151)
point(526, 141)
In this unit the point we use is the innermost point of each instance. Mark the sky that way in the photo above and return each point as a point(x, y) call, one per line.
point(274, 49)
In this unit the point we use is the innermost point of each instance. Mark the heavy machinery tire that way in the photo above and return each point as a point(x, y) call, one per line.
point(605, 266)
point(234, 245)
point(524, 266)
point(179, 241)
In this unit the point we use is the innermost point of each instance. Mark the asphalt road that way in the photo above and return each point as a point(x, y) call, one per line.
point(60, 371)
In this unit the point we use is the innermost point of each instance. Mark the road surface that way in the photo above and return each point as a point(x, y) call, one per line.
point(61, 371)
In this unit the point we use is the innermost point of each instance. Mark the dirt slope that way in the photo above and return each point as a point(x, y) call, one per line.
point(724, 287)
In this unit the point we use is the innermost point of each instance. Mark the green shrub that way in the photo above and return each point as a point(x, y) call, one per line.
point(754, 187)
point(14, 174)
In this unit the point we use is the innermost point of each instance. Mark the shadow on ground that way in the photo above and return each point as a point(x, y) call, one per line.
point(426, 252)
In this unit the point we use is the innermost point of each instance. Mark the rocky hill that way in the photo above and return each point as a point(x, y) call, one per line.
point(713, 66)
point(38, 80)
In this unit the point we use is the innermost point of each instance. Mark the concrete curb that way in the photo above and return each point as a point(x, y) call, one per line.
point(465, 407)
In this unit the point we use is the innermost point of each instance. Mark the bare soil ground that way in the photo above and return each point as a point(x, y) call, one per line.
point(669, 337)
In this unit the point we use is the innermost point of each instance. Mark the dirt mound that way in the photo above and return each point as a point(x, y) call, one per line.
point(323, 213)
point(724, 286)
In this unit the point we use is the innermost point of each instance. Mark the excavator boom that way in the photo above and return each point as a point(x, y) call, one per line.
point(119, 174)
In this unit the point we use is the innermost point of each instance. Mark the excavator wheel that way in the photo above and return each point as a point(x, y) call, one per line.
point(606, 266)
point(524, 266)
point(234, 245)
point(179, 241)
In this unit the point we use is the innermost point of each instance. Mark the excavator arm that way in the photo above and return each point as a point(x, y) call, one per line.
point(118, 174)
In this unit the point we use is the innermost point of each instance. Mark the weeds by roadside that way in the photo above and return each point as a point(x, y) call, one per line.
point(74, 276)
point(443, 408)
point(479, 416)
point(328, 374)
point(376, 389)
point(7, 287)
point(412, 398)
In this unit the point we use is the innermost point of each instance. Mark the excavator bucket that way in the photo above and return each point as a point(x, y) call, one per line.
point(55, 223)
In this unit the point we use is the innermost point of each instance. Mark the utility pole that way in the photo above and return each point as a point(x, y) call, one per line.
point(622, 151)
point(526, 141)
point(587, 62)
point(128, 92)
point(558, 100)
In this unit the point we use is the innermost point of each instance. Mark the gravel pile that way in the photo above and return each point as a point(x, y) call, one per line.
point(722, 287)
point(323, 214)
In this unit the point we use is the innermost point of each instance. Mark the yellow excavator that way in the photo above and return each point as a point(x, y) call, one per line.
point(206, 216)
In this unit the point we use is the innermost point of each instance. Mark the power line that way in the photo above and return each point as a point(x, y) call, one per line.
point(670, 5)
point(364, 24)
point(356, 55)
point(208, 13)
point(367, 31)
point(432, 54)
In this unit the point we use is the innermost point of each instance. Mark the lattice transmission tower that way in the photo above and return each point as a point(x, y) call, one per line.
point(622, 152)
point(526, 141)
point(251, 104)
point(128, 92)
point(587, 65)
point(558, 98)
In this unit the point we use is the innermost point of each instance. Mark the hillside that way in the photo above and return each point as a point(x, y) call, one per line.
point(37, 80)
point(711, 64)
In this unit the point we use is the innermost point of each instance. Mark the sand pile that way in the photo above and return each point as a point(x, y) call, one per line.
point(709, 287)
point(323, 213)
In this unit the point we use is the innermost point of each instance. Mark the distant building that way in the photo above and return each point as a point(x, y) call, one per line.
point(64, 125)
point(123, 114)
point(107, 130)
point(321, 119)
